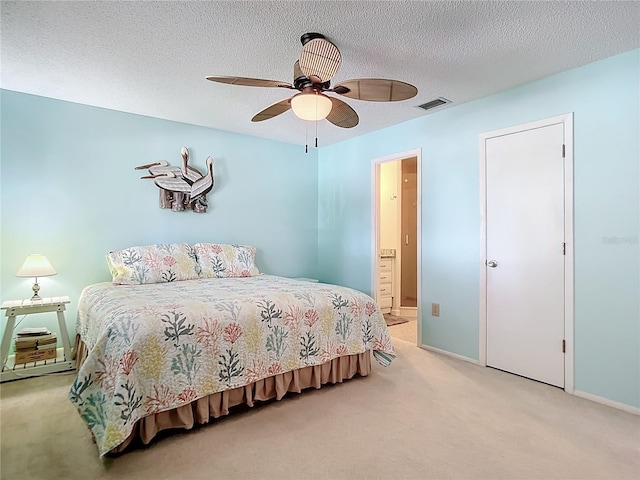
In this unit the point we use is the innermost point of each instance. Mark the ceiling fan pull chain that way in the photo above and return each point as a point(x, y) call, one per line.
point(316, 132)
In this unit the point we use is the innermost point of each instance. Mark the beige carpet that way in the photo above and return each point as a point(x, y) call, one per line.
point(424, 417)
point(406, 331)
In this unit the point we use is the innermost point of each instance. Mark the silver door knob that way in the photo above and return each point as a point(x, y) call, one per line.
point(492, 264)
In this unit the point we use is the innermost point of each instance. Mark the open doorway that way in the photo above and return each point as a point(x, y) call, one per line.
point(396, 242)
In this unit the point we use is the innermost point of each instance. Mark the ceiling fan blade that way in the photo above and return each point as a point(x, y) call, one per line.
point(250, 82)
point(320, 59)
point(377, 90)
point(342, 115)
point(273, 110)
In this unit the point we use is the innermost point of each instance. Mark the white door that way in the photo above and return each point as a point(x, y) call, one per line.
point(525, 253)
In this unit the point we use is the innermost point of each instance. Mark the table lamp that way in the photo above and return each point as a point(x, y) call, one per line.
point(36, 265)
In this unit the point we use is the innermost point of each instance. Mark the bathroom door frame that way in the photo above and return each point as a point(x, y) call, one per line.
point(375, 221)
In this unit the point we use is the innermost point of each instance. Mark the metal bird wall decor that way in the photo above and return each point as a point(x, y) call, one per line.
point(181, 188)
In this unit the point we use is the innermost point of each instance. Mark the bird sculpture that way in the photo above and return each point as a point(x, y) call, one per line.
point(201, 187)
point(181, 188)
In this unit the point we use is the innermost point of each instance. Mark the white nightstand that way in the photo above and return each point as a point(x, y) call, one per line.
point(61, 363)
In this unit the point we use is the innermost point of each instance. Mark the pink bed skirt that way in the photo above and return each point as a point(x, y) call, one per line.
point(218, 404)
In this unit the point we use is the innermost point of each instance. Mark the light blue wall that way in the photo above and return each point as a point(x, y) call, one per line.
point(604, 97)
point(69, 191)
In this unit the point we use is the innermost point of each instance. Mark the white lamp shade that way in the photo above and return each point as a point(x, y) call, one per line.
point(311, 106)
point(36, 265)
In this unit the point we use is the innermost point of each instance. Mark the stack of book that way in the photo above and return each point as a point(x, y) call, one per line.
point(35, 344)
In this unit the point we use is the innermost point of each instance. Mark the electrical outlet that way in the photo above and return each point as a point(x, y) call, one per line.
point(435, 309)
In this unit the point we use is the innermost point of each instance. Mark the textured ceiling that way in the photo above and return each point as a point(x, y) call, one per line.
point(151, 58)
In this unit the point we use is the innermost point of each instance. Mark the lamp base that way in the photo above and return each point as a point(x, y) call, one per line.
point(36, 289)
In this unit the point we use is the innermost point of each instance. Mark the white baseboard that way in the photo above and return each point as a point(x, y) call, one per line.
point(409, 312)
point(449, 354)
point(607, 402)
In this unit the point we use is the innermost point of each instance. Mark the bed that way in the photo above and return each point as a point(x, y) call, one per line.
point(158, 354)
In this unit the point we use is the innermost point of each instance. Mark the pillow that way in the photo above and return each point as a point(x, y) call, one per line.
point(153, 264)
point(221, 261)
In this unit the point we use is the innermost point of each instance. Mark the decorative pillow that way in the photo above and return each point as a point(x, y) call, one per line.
point(153, 264)
point(216, 260)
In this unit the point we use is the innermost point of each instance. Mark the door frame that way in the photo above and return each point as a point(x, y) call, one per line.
point(375, 221)
point(567, 121)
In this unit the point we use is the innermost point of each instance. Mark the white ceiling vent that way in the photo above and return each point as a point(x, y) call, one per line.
point(434, 103)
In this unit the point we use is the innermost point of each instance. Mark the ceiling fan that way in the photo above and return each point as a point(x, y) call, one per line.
point(312, 73)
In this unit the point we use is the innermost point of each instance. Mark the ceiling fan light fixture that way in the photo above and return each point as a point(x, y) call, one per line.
point(311, 106)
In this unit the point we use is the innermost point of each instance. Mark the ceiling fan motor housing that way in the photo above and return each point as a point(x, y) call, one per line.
point(307, 37)
point(300, 81)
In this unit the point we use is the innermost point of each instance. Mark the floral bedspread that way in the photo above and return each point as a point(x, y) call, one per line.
point(158, 346)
